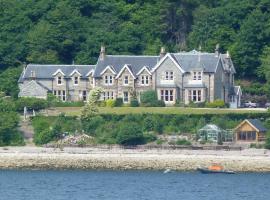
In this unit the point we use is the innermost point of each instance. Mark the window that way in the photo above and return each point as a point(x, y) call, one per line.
point(194, 75)
point(126, 80)
point(59, 80)
point(84, 95)
point(166, 95)
point(108, 80)
point(125, 97)
point(195, 95)
point(76, 80)
point(197, 76)
point(169, 75)
point(145, 80)
point(61, 94)
point(64, 95)
point(107, 95)
point(247, 135)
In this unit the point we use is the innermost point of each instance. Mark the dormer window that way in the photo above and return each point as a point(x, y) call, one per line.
point(169, 75)
point(59, 80)
point(108, 80)
point(126, 80)
point(76, 80)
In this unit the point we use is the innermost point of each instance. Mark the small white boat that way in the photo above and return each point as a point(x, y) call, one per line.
point(167, 171)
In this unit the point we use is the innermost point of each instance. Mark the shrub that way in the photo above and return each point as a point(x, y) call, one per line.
point(90, 125)
point(43, 137)
point(130, 134)
point(110, 103)
point(149, 99)
point(118, 102)
point(216, 104)
point(183, 142)
point(160, 141)
point(148, 124)
point(149, 137)
point(158, 103)
point(134, 103)
point(31, 103)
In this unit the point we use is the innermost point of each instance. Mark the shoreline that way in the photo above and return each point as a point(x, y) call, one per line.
point(250, 160)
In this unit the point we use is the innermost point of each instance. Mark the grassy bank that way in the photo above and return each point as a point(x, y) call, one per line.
point(75, 111)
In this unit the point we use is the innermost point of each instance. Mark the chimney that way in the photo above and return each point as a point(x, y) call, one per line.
point(228, 55)
point(162, 52)
point(102, 53)
point(217, 50)
point(33, 75)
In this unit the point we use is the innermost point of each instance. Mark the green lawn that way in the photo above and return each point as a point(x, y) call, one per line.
point(160, 110)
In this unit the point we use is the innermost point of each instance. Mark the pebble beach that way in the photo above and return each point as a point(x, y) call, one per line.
point(249, 160)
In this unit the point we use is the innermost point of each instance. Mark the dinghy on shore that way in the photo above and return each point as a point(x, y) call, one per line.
point(214, 169)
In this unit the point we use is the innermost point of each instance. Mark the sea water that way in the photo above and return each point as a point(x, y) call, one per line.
point(129, 185)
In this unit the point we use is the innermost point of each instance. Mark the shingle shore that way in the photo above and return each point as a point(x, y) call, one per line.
point(245, 161)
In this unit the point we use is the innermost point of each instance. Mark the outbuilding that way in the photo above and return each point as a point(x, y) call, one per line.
point(250, 130)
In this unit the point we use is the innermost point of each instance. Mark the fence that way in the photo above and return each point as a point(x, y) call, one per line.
point(151, 147)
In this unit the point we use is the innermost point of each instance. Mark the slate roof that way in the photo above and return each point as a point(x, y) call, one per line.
point(135, 63)
point(257, 124)
point(47, 71)
point(189, 61)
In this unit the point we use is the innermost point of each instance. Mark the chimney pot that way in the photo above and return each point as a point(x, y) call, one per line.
point(162, 52)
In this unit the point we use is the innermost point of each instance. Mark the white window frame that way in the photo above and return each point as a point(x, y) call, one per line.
point(108, 80)
point(126, 80)
point(195, 96)
point(167, 95)
point(74, 80)
point(84, 95)
point(59, 79)
point(169, 75)
point(125, 97)
point(108, 95)
point(197, 76)
point(144, 80)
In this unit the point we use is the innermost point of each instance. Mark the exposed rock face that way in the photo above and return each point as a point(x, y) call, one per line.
point(132, 160)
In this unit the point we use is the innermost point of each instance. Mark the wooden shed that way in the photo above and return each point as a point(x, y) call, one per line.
point(250, 130)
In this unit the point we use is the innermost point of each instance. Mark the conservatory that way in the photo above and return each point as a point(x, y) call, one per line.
point(213, 133)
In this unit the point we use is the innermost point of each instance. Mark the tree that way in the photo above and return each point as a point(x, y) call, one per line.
point(91, 109)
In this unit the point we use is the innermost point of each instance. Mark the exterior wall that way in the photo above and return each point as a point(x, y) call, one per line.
point(141, 88)
point(125, 88)
point(159, 81)
point(100, 82)
point(246, 127)
point(223, 83)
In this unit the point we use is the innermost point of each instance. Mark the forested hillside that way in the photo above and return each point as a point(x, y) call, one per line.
point(62, 31)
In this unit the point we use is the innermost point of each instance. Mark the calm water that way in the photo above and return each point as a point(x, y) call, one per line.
point(82, 185)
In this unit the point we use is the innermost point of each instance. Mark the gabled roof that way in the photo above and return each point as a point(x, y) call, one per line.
point(47, 71)
point(57, 72)
point(185, 61)
point(75, 71)
point(142, 69)
point(118, 62)
point(128, 67)
point(255, 123)
point(173, 58)
point(109, 67)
